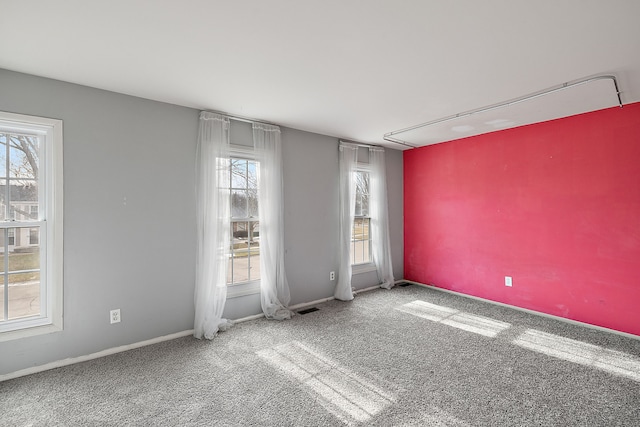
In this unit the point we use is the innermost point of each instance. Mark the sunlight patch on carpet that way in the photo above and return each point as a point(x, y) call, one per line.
point(614, 362)
point(456, 318)
point(348, 396)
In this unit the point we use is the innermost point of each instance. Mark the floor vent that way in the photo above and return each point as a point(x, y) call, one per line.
point(403, 284)
point(308, 310)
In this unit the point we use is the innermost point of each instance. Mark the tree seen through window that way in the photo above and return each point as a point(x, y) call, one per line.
point(244, 260)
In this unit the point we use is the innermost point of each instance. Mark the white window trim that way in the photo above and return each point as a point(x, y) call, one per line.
point(252, 287)
point(53, 230)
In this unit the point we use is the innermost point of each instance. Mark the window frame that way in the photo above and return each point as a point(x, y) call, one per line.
point(251, 287)
point(50, 222)
point(367, 266)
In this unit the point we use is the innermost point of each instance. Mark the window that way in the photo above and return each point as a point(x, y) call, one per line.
point(361, 233)
point(30, 225)
point(34, 236)
point(244, 259)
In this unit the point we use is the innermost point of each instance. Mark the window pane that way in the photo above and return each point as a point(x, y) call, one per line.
point(254, 250)
point(24, 297)
point(34, 236)
point(365, 251)
point(240, 232)
point(23, 256)
point(253, 203)
point(252, 175)
point(240, 267)
point(22, 194)
point(23, 276)
point(239, 204)
point(23, 199)
point(252, 188)
point(3, 196)
point(358, 227)
point(239, 251)
point(366, 226)
point(362, 182)
point(239, 235)
point(252, 182)
point(362, 193)
point(365, 205)
point(3, 155)
point(361, 241)
point(245, 252)
point(366, 233)
point(23, 153)
point(255, 232)
point(238, 173)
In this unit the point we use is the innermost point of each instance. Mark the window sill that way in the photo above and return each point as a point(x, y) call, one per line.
point(29, 332)
point(243, 289)
point(363, 268)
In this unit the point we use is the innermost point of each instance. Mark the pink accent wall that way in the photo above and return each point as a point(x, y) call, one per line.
point(555, 205)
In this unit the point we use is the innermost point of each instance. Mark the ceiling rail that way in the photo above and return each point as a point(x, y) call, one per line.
point(563, 86)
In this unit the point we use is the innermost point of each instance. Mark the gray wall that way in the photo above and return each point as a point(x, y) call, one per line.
point(129, 237)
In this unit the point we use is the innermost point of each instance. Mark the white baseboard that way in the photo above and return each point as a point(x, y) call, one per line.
point(320, 301)
point(370, 288)
point(310, 303)
point(526, 310)
point(87, 357)
point(246, 319)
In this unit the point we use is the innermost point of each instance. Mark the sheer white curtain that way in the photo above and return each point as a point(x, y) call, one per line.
point(212, 216)
point(274, 289)
point(348, 165)
point(380, 218)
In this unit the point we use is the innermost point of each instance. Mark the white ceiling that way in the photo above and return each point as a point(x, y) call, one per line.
point(350, 69)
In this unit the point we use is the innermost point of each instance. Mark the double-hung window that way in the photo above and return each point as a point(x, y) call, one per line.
point(361, 232)
point(30, 225)
point(244, 253)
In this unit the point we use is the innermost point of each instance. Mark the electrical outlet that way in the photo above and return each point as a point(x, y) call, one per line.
point(332, 275)
point(508, 281)
point(115, 315)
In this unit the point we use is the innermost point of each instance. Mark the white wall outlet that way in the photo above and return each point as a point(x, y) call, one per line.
point(332, 275)
point(115, 315)
point(508, 281)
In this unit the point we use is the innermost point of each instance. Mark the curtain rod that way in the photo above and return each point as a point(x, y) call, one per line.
point(387, 136)
point(240, 118)
point(248, 120)
point(359, 144)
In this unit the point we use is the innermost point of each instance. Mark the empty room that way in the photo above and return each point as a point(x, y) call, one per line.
point(305, 213)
